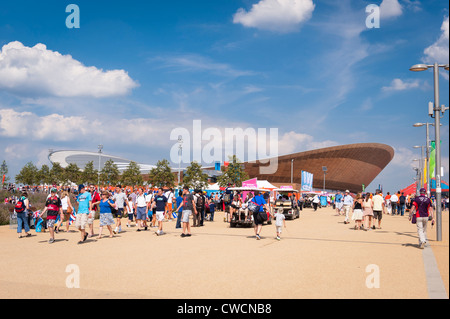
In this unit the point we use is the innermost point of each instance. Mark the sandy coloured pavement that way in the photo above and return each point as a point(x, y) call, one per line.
point(318, 257)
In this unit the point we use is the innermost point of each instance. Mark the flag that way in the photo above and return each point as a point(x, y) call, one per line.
point(432, 163)
point(72, 217)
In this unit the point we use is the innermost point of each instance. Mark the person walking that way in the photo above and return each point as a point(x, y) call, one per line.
point(280, 221)
point(84, 201)
point(53, 207)
point(394, 202)
point(106, 216)
point(21, 210)
point(357, 212)
point(347, 203)
point(188, 206)
point(368, 211)
point(338, 203)
point(401, 204)
point(95, 197)
point(263, 208)
point(179, 201)
point(160, 201)
point(67, 209)
point(378, 208)
point(422, 210)
point(120, 198)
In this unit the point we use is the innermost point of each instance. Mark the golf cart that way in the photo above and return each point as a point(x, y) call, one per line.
point(285, 204)
point(241, 216)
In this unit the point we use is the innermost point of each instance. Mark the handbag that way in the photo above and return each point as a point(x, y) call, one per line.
point(253, 207)
point(413, 219)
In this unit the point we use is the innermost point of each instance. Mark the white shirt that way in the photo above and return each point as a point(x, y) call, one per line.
point(140, 201)
point(348, 200)
point(279, 219)
point(394, 198)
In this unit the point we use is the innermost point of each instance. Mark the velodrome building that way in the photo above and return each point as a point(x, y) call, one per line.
point(347, 166)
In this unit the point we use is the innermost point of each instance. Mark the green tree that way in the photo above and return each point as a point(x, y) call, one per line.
point(44, 176)
point(194, 177)
point(110, 173)
point(28, 175)
point(4, 171)
point(72, 174)
point(162, 175)
point(56, 174)
point(132, 175)
point(89, 174)
point(234, 174)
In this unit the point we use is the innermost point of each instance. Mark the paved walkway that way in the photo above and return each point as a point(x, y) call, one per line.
point(318, 257)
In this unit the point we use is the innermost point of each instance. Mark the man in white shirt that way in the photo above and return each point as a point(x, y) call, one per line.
point(378, 207)
point(394, 201)
point(347, 205)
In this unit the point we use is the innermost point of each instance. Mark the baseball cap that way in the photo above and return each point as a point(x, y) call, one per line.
point(53, 190)
point(423, 191)
point(80, 187)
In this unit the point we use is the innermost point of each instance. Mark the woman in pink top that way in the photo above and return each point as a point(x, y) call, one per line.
point(367, 206)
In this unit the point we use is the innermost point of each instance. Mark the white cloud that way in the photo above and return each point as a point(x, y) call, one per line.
point(292, 142)
point(438, 51)
point(37, 71)
point(198, 63)
point(390, 9)
point(400, 85)
point(276, 15)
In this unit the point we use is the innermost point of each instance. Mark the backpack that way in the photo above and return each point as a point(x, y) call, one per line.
point(200, 202)
point(20, 206)
point(227, 198)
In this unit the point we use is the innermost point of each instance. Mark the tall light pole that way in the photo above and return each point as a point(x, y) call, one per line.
point(180, 151)
point(427, 153)
point(324, 169)
point(421, 165)
point(100, 147)
point(437, 117)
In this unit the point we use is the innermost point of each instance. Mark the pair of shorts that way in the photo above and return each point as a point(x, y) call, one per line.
point(159, 216)
point(130, 217)
point(256, 219)
point(106, 219)
point(118, 213)
point(81, 221)
point(91, 219)
point(185, 215)
point(377, 214)
point(140, 213)
point(50, 223)
point(279, 229)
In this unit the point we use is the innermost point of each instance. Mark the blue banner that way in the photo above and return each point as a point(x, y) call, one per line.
point(307, 181)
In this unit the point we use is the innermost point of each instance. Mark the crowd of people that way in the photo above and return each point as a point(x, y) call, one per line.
point(149, 208)
point(368, 210)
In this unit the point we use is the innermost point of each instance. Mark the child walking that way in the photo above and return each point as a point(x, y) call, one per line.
point(280, 221)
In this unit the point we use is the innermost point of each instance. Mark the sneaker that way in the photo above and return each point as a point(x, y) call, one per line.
point(51, 241)
point(258, 237)
point(422, 245)
point(278, 238)
point(183, 235)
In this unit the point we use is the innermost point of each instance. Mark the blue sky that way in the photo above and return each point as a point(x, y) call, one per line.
point(136, 70)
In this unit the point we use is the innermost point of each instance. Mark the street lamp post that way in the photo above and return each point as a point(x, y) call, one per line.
point(427, 149)
point(421, 165)
point(180, 151)
point(324, 169)
point(100, 147)
point(437, 116)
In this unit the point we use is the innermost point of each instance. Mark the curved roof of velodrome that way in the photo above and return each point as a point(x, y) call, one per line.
point(81, 158)
point(348, 166)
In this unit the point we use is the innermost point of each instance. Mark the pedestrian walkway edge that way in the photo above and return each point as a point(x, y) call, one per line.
point(436, 288)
